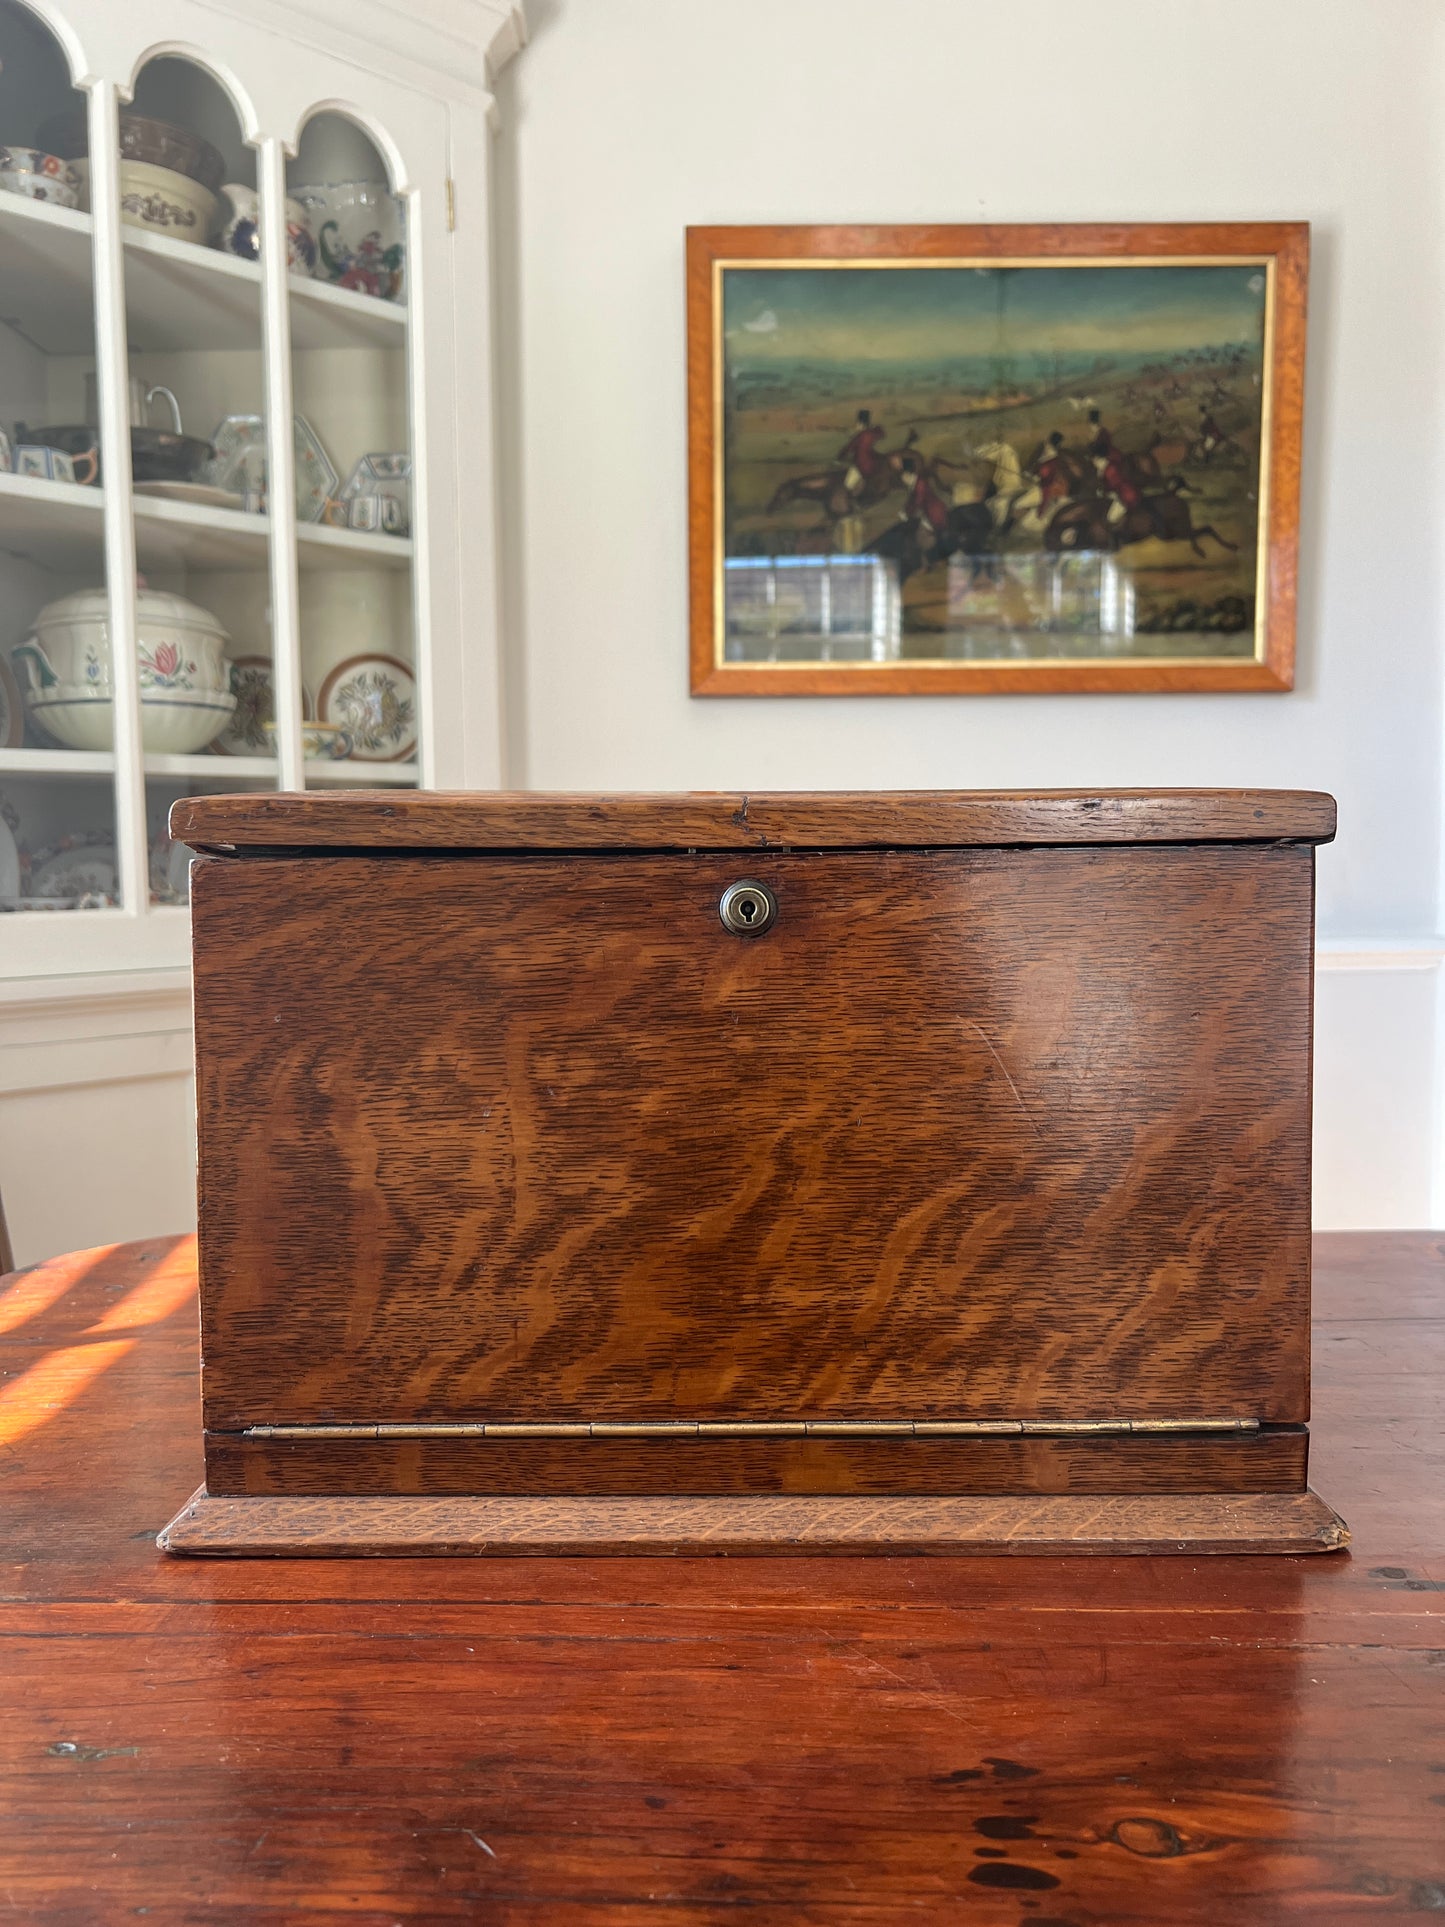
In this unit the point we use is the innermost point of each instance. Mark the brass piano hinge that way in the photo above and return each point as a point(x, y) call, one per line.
point(865, 1428)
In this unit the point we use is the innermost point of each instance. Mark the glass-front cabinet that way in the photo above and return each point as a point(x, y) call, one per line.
point(242, 509)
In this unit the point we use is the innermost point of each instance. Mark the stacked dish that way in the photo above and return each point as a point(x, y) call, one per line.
point(39, 176)
point(168, 175)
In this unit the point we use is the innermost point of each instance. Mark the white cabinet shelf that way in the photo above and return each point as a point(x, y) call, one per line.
point(59, 525)
point(101, 762)
point(328, 548)
point(45, 287)
point(170, 535)
point(56, 762)
point(323, 316)
point(215, 771)
point(55, 525)
point(182, 298)
point(363, 775)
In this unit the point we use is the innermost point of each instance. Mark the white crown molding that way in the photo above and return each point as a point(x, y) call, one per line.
point(460, 44)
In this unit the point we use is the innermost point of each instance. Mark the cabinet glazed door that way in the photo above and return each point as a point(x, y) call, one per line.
point(965, 1135)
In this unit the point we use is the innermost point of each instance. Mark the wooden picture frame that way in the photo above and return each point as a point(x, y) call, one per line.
point(1004, 568)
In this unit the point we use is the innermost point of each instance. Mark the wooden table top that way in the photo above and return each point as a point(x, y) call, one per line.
point(1032, 1741)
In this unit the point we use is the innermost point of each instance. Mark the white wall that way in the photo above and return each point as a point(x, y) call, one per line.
point(97, 1110)
point(627, 120)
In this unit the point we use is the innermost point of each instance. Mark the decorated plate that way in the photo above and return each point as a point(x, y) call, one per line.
point(253, 686)
point(79, 870)
point(373, 698)
point(12, 709)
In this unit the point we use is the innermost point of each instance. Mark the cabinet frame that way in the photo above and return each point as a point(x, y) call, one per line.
point(431, 129)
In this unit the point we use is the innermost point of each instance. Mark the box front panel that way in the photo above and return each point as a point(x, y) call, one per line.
point(965, 1135)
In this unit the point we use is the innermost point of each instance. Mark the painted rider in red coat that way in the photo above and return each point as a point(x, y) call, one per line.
point(858, 456)
point(1111, 465)
point(1049, 470)
point(924, 503)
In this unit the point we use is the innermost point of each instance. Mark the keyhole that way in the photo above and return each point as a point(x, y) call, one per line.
point(747, 908)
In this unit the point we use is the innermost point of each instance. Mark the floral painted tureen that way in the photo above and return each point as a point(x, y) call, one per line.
point(184, 676)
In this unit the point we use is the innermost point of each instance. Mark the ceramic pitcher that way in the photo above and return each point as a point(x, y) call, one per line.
point(241, 231)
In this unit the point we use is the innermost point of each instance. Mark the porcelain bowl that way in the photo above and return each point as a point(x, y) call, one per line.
point(39, 176)
point(360, 231)
point(159, 199)
point(172, 722)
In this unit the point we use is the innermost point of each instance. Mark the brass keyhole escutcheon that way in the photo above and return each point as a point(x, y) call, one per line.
point(747, 908)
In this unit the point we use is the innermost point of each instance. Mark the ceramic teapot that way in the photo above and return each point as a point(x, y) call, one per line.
point(241, 231)
point(185, 678)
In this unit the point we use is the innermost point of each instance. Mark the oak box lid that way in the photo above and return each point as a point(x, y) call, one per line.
point(382, 820)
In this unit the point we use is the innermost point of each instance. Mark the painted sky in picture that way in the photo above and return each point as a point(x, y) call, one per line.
point(893, 314)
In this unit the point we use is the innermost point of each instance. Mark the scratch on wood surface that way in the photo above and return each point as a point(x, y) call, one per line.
point(988, 1046)
point(477, 1841)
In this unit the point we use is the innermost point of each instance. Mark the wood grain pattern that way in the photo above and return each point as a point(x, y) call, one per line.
point(1144, 1523)
point(1287, 242)
point(482, 820)
point(1271, 1461)
point(967, 1133)
point(800, 1742)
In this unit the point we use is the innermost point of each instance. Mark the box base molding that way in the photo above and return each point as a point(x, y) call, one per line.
point(777, 1524)
point(1268, 1459)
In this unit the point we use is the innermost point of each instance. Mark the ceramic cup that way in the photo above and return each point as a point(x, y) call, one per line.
point(47, 464)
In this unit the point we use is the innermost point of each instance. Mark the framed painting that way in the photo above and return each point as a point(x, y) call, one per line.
point(967, 459)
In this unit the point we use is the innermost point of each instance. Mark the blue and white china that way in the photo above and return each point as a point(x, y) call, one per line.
point(45, 464)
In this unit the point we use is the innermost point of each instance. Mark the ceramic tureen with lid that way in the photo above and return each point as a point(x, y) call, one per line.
point(185, 687)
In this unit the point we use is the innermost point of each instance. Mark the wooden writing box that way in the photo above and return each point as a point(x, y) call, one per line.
point(955, 1198)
